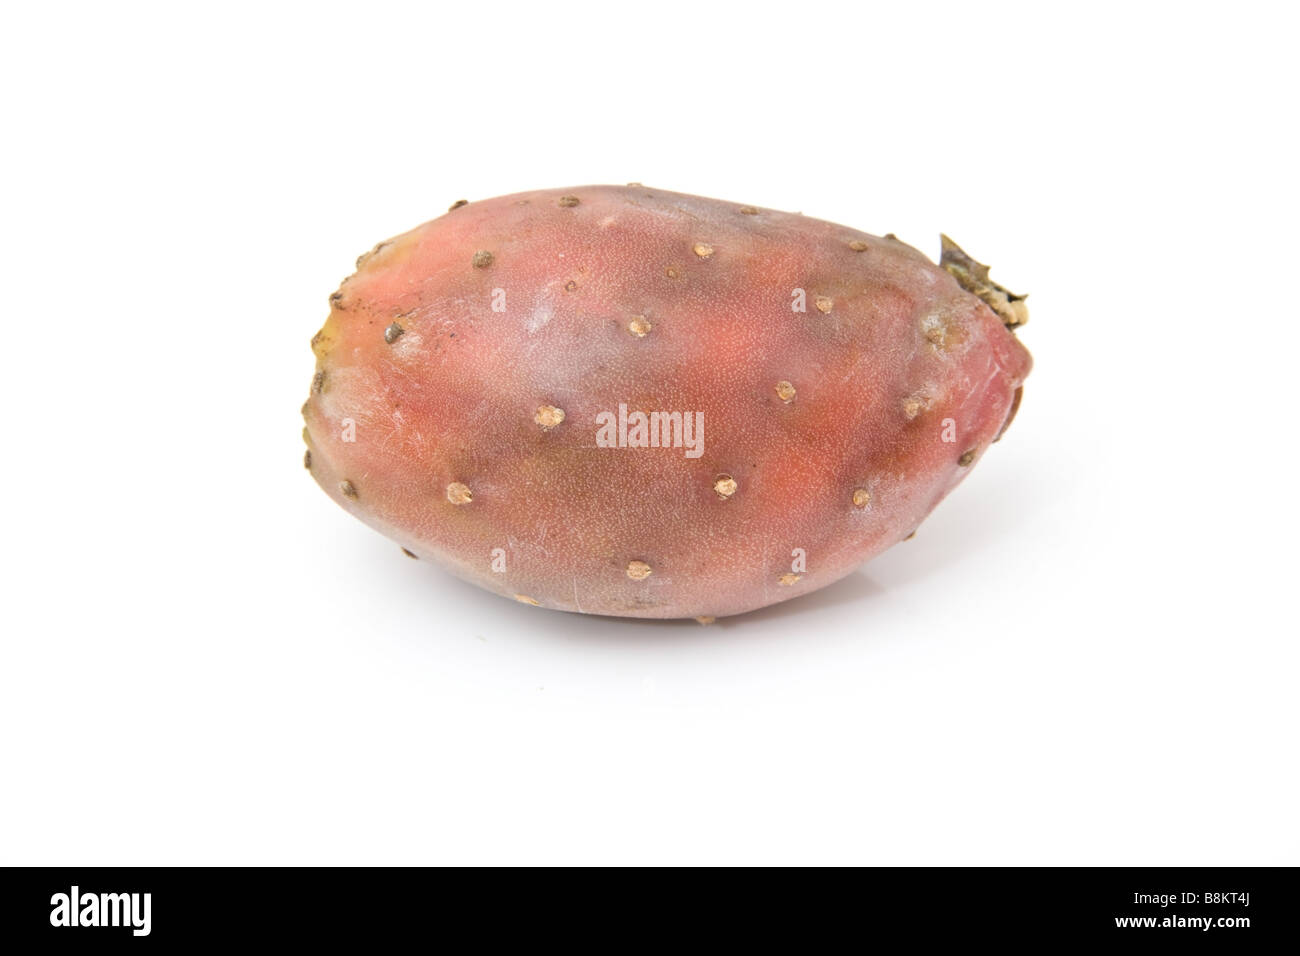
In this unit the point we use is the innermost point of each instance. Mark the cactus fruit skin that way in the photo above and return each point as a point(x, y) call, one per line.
point(463, 367)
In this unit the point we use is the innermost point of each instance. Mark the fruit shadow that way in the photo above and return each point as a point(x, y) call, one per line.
point(857, 587)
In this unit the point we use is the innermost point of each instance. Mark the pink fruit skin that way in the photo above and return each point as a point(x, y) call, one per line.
point(900, 378)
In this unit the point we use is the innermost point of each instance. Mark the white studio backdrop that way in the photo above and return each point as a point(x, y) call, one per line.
point(1087, 655)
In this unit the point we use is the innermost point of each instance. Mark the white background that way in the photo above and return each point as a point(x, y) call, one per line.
point(1086, 656)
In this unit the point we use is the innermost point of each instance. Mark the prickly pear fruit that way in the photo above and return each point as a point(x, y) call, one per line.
point(620, 400)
